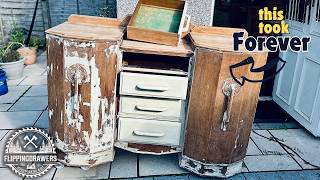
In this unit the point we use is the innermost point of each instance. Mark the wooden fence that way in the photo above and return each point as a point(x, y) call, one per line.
point(49, 13)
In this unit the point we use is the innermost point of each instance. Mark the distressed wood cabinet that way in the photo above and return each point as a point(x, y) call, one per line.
point(83, 62)
point(172, 99)
point(220, 112)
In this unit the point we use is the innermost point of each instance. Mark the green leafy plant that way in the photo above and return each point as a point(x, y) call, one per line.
point(35, 42)
point(17, 34)
point(8, 53)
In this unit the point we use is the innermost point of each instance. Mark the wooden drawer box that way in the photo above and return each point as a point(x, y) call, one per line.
point(149, 132)
point(158, 21)
point(138, 107)
point(150, 85)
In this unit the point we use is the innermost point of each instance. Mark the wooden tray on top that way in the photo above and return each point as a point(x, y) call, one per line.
point(158, 21)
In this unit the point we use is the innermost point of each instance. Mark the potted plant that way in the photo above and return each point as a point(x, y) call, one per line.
point(29, 52)
point(3, 82)
point(10, 60)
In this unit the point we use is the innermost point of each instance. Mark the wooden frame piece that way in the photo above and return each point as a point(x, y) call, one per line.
point(154, 36)
point(101, 21)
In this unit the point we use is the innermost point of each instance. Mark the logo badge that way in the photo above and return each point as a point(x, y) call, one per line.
point(30, 153)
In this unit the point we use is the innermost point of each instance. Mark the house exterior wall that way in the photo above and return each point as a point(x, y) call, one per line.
point(201, 11)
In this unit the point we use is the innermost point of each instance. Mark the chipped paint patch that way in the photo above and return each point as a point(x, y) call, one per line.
point(50, 113)
point(103, 138)
point(236, 142)
point(86, 160)
point(115, 49)
point(86, 104)
point(211, 170)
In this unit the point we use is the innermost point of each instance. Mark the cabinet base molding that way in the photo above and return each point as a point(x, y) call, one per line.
point(147, 148)
point(210, 170)
point(85, 160)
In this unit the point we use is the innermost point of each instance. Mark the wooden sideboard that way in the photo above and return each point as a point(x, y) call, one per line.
point(146, 98)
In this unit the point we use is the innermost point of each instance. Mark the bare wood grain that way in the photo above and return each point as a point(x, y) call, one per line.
point(204, 139)
point(183, 50)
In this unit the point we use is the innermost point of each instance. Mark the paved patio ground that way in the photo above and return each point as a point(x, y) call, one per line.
point(26, 105)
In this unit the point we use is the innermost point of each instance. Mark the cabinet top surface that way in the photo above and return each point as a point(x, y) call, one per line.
point(87, 31)
point(183, 50)
point(217, 38)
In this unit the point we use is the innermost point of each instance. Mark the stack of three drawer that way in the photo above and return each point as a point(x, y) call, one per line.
point(152, 108)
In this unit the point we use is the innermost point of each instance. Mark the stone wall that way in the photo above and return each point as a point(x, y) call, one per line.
point(201, 11)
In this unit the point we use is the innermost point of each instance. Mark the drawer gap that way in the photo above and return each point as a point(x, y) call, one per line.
point(148, 62)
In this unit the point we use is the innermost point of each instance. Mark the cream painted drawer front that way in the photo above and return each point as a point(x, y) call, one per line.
point(149, 132)
point(138, 84)
point(152, 107)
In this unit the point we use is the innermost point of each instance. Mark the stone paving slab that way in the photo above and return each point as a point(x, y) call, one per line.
point(30, 104)
point(7, 174)
point(271, 163)
point(43, 121)
point(17, 120)
point(253, 149)
point(34, 70)
point(3, 144)
point(48, 176)
point(98, 172)
point(266, 146)
point(3, 134)
point(14, 93)
point(15, 82)
point(34, 80)
point(40, 90)
point(274, 126)
point(5, 107)
point(124, 165)
point(303, 143)
point(151, 165)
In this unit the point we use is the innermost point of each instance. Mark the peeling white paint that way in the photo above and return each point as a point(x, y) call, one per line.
point(82, 160)
point(236, 142)
point(211, 170)
point(58, 143)
point(58, 39)
point(61, 117)
point(50, 113)
point(103, 138)
point(72, 58)
point(115, 49)
point(86, 104)
point(69, 108)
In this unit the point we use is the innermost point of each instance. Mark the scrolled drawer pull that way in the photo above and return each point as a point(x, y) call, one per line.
point(150, 109)
point(151, 88)
point(148, 134)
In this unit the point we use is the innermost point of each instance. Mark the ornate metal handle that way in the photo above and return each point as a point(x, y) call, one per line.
point(148, 134)
point(151, 109)
point(151, 88)
point(77, 74)
point(230, 89)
